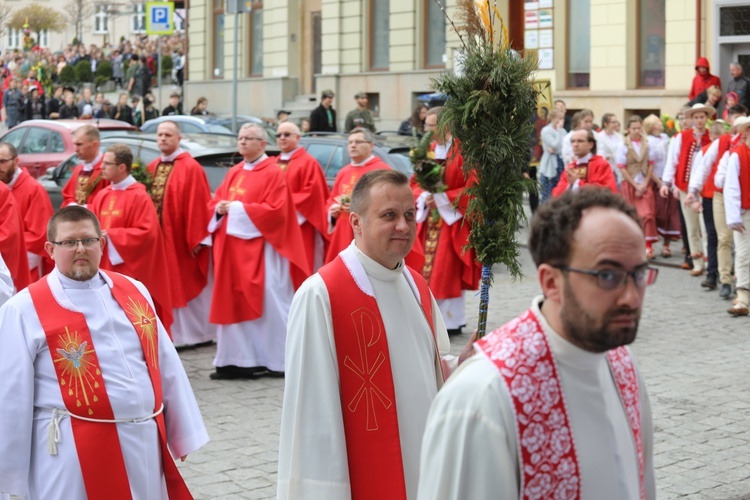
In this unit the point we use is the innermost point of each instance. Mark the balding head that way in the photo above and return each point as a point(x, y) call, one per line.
point(168, 137)
point(287, 137)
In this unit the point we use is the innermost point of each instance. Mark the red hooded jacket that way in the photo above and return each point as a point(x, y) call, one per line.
point(702, 82)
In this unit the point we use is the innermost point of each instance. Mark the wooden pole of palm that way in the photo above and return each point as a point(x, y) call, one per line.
point(489, 109)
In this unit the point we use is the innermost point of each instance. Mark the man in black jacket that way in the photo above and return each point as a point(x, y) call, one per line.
point(323, 118)
point(739, 84)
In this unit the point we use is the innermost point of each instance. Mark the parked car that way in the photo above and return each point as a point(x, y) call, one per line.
point(45, 143)
point(216, 153)
point(189, 125)
point(332, 152)
point(226, 121)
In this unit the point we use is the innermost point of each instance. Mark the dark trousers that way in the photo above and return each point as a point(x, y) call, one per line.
point(685, 241)
point(533, 193)
point(713, 238)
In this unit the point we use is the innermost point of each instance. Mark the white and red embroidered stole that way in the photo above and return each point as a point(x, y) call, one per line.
point(547, 454)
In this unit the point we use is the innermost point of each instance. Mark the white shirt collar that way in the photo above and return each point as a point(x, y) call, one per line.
point(93, 284)
point(173, 155)
point(362, 163)
point(251, 165)
point(16, 175)
point(585, 159)
point(88, 167)
point(286, 156)
point(124, 184)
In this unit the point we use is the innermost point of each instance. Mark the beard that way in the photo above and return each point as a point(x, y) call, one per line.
point(82, 273)
point(593, 335)
point(5, 177)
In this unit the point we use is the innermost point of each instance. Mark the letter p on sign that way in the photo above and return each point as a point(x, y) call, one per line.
point(159, 18)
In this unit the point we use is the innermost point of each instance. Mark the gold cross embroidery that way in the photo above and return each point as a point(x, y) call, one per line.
point(110, 212)
point(237, 191)
point(363, 320)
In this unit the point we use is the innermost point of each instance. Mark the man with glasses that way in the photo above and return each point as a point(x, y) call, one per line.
point(34, 206)
point(181, 194)
point(323, 118)
point(259, 261)
point(92, 382)
point(587, 167)
point(86, 180)
point(135, 243)
point(309, 190)
point(553, 405)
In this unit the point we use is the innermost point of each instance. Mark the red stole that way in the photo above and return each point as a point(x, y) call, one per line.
point(84, 393)
point(685, 161)
point(547, 455)
point(743, 153)
point(368, 396)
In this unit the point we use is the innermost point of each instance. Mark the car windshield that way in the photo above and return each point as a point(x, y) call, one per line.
point(218, 129)
point(401, 162)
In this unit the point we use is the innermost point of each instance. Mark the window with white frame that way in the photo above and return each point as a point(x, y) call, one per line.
point(179, 19)
point(43, 39)
point(101, 19)
point(14, 38)
point(138, 23)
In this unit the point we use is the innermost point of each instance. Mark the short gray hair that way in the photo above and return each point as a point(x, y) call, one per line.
point(369, 136)
point(261, 130)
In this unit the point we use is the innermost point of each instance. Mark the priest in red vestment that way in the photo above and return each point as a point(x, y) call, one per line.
point(34, 206)
point(86, 180)
point(12, 244)
point(448, 268)
point(135, 244)
point(257, 244)
point(181, 193)
point(587, 168)
point(306, 181)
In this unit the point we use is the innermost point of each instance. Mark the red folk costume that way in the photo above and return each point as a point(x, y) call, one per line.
point(12, 244)
point(448, 268)
point(181, 193)
point(637, 163)
point(686, 154)
point(594, 169)
point(85, 183)
point(307, 183)
point(135, 245)
point(36, 209)
point(239, 268)
point(342, 234)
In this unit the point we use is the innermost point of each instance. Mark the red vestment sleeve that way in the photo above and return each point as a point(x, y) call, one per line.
point(309, 189)
point(12, 244)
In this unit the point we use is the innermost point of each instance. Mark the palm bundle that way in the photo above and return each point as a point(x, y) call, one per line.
point(489, 109)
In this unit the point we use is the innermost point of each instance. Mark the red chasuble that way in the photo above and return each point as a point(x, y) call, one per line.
point(596, 172)
point(548, 461)
point(12, 243)
point(129, 217)
point(184, 220)
point(82, 186)
point(36, 209)
point(85, 395)
point(453, 269)
point(239, 267)
point(307, 184)
point(368, 395)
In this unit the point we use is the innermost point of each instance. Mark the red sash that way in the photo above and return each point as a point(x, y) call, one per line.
point(547, 454)
point(84, 393)
point(368, 396)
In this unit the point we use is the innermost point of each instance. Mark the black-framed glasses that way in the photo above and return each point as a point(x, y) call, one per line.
point(609, 279)
point(284, 134)
point(73, 244)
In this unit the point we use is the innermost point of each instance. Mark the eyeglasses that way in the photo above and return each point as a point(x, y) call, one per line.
point(284, 134)
point(6, 160)
point(609, 279)
point(358, 142)
point(110, 163)
point(244, 139)
point(73, 244)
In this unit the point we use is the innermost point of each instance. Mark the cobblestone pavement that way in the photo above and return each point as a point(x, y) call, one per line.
point(692, 353)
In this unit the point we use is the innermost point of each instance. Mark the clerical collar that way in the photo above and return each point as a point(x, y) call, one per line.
point(585, 159)
point(15, 177)
point(377, 270)
point(88, 167)
point(124, 184)
point(173, 155)
point(441, 151)
point(287, 156)
point(362, 163)
point(566, 353)
point(249, 165)
point(68, 283)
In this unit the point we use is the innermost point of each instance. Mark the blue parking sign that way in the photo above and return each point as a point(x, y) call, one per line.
point(160, 18)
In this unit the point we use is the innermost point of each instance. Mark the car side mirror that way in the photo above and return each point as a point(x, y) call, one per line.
point(51, 172)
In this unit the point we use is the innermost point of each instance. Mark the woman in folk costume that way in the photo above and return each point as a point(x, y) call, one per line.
point(636, 164)
point(667, 209)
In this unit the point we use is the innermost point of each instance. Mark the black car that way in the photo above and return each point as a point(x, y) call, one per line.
point(332, 152)
point(216, 153)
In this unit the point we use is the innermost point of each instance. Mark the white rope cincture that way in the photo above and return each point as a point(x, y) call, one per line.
point(53, 433)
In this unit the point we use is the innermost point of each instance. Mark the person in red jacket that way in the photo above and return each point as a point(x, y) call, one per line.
point(703, 78)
